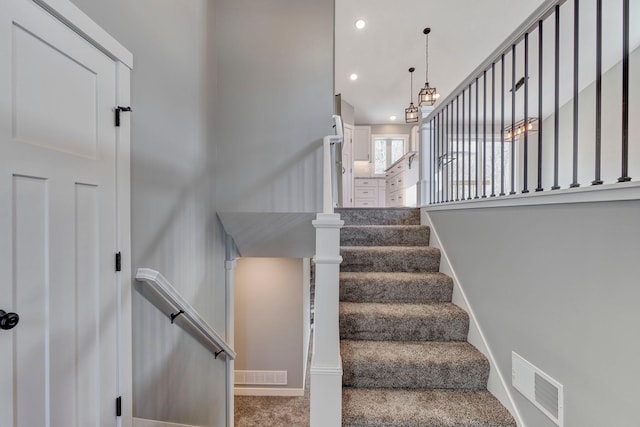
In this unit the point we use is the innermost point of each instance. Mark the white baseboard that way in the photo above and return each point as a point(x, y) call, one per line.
point(496, 383)
point(141, 422)
point(268, 391)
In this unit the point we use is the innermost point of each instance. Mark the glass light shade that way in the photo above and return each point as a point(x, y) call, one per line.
point(427, 96)
point(411, 114)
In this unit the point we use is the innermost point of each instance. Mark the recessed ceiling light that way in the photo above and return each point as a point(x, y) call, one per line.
point(353, 76)
point(392, 118)
point(360, 24)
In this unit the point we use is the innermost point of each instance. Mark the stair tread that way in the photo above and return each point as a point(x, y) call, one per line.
point(437, 352)
point(380, 216)
point(422, 408)
point(445, 310)
point(388, 227)
point(413, 364)
point(403, 321)
point(395, 287)
point(394, 278)
point(390, 258)
point(391, 248)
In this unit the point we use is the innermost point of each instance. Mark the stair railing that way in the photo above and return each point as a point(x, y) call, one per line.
point(326, 364)
point(547, 110)
point(164, 296)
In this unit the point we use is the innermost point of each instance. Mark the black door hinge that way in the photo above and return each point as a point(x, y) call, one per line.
point(119, 406)
point(118, 110)
point(118, 261)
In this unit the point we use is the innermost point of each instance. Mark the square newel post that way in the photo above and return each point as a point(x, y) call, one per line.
point(326, 364)
point(426, 161)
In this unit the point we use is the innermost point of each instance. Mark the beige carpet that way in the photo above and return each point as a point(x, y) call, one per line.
point(254, 411)
point(272, 411)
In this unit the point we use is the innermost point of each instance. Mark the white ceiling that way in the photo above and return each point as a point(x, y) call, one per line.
point(463, 34)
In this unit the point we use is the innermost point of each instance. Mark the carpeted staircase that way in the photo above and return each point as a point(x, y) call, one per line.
point(405, 357)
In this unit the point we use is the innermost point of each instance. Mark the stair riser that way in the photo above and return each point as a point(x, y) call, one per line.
point(379, 216)
point(414, 260)
point(436, 328)
point(409, 293)
point(434, 287)
point(460, 376)
point(384, 237)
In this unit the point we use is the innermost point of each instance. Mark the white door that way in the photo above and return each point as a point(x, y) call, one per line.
point(347, 167)
point(57, 223)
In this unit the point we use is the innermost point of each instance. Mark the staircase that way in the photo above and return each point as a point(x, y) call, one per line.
point(405, 358)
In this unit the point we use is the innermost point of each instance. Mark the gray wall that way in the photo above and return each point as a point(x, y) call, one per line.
point(175, 229)
point(558, 284)
point(611, 132)
point(274, 104)
point(270, 328)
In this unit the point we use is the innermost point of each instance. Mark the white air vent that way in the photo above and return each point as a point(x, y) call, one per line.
point(545, 392)
point(261, 377)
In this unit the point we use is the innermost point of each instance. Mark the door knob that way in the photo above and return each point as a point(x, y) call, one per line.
point(8, 320)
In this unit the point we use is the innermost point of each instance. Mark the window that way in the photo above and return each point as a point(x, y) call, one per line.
point(387, 149)
point(457, 170)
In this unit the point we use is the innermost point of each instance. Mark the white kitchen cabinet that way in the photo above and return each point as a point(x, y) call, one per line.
point(401, 179)
point(362, 143)
point(368, 192)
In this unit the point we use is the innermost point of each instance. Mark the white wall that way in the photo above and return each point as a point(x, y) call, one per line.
point(396, 129)
point(558, 284)
point(274, 104)
point(175, 230)
point(271, 310)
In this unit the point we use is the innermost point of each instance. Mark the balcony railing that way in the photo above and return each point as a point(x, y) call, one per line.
point(549, 109)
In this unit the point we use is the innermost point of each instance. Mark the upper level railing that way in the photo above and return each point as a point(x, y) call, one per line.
point(549, 109)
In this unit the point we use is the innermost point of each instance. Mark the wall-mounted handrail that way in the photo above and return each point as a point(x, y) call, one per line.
point(163, 295)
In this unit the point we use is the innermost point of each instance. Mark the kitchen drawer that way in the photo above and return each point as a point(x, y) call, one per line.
point(366, 192)
point(360, 182)
point(366, 203)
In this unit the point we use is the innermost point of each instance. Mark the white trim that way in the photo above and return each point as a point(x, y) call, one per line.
point(324, 220)
point(269, 391)
point(123, 242)
point(141, 422)
point(496, 383)
point(327, 260)
point(78, 21)
point(593, 193)
point(326, 370)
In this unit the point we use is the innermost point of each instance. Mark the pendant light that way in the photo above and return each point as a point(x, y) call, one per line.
point(428, 95)
point(411, 113)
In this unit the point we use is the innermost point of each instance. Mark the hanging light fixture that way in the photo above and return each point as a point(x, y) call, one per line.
point(428, 95)
point(411, 113)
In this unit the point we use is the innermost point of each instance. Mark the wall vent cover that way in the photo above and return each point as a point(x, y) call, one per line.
point(260, 377)
point(545, 392)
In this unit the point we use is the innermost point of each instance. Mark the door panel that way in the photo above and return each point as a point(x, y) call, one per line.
point(58, 215)
point(31, 285)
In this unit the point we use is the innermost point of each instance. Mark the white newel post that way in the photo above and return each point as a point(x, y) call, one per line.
point(426, 162)
point(326, 364)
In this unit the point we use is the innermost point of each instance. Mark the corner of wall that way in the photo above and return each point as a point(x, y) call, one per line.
point(496, 384)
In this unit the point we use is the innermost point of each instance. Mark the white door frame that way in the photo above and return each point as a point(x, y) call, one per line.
point(78, 21)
